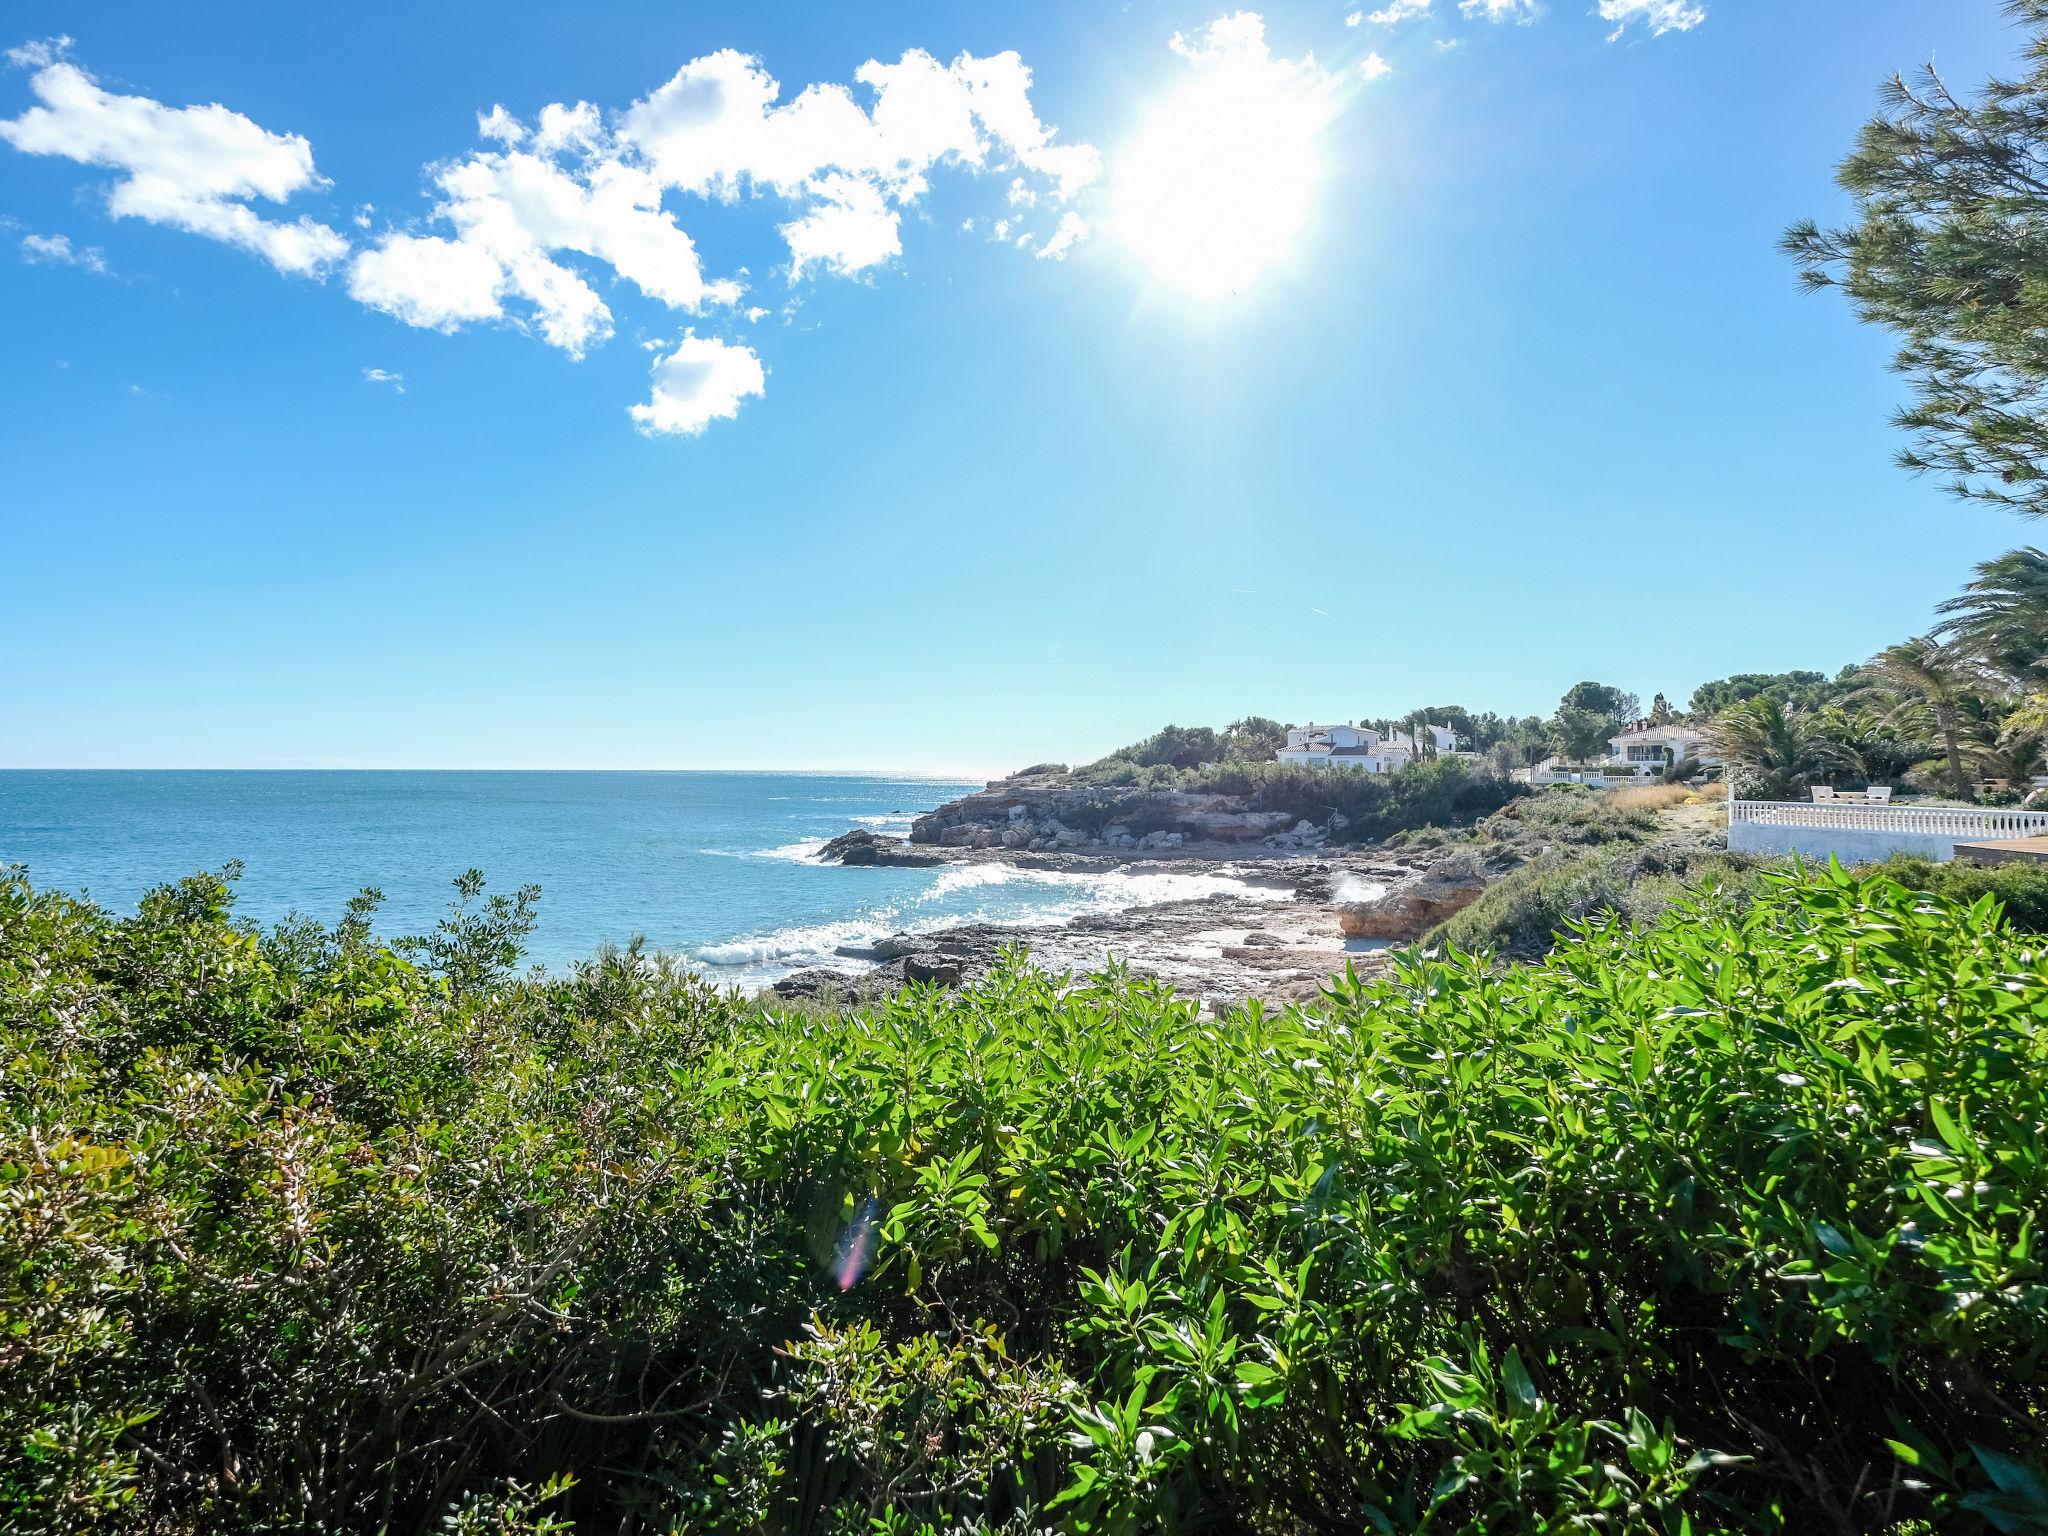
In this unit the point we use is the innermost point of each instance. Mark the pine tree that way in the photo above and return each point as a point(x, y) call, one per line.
point(1951, 252)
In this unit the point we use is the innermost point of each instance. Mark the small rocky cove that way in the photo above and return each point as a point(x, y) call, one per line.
point(1291, 908)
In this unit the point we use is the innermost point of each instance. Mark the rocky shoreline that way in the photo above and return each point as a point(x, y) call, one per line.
point(1296, 920)
point(1299, 907)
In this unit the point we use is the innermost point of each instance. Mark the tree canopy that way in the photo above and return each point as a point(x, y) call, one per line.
point(1950, 252)
point(1612, 704)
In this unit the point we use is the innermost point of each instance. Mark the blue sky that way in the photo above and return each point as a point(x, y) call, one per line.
point(1472, 373)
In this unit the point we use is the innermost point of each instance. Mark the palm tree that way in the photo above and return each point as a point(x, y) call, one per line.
point(1927, 687)
point(2001, 617)
point(1775, 751)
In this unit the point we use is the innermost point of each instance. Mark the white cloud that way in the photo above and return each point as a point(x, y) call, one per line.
point(550, 217)
point(718, 129)
point(1521, 11)
point(1446, 44)
point(572, 183)
point(383, 376)
point(1354, 18)
point(1661, 16)
point(849, 228)
point(1070, 233)
point(512, 212)
point(1375, 67)
point(57, 250)
point(1399, 10)
point(702, 381)
point(428, 281)
point(193, 168)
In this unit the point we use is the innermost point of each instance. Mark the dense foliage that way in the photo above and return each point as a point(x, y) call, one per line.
point(1354, 807)
point(1728, 1225)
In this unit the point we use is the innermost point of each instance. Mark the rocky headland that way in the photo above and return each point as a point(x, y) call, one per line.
point(1060, 812)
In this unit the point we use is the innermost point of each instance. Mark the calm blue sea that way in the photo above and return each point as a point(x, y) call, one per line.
point(714, 866)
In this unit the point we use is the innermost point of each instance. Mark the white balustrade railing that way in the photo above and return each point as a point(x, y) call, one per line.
point(1963, 822)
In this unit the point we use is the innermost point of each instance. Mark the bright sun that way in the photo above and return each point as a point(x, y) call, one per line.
point(1218, 184)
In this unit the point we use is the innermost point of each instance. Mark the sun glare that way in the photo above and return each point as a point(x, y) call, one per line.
point(1218, 184)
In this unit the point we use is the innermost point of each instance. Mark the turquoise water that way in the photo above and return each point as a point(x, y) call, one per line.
point(714, 866)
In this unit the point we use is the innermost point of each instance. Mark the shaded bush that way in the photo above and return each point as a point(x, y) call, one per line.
point(1523, 914)
point(1728, 1224)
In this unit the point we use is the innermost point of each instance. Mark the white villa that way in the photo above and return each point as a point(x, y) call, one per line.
point(1661, 746)
point(1358, 748)
point(1643, 751)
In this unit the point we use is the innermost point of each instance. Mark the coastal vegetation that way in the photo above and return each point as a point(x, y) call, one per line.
point(1724, 1222)
point(1569, 855)
point(1358, 808)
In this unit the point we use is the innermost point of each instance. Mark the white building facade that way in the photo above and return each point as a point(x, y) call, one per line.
point(1356, 748)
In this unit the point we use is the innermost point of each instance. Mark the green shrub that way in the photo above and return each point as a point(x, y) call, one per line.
point(2020, 889)
point(1730, 1223)
point(1521, 915)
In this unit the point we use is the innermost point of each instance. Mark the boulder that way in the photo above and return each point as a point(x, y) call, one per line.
point(857, 847)
point(860, 847)
point(932, 968)
point(1410, 912)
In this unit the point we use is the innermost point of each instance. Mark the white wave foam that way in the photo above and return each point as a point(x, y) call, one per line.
point(1006, 896)
point(797, 852)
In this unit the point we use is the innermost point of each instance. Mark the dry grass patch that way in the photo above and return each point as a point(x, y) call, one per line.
point(1650, 797)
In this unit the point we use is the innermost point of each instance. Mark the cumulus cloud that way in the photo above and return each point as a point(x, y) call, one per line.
point(57, 250)
point(384, 376)
point(574, 181)
point(1399, 10)
point(1660, 16)
point(1374, 67)
point(1354, 18)
point(718, 128)
point(1070, 233)
point(514, 212)
point(551, 217)
point(703, 380)
point(1521, 11)
point(192, 168)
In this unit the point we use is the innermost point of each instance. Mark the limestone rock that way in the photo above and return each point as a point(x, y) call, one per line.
point(933, 968)
point(1410, 912)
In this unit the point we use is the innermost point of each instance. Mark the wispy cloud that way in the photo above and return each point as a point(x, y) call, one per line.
point(1522, 12)
point(1660, 16)
point(384, 376)
point(57, 250)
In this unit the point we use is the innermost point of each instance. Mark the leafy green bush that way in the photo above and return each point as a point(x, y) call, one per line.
point(2020, 889)
point(1524, 913)
point(1728, 1224)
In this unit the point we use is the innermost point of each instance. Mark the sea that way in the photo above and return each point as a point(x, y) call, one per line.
point(718, 868)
